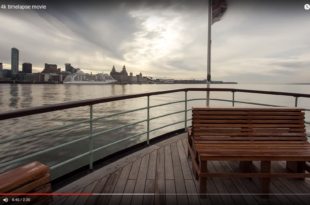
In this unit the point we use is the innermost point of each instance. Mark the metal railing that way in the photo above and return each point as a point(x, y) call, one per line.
point(90, 103)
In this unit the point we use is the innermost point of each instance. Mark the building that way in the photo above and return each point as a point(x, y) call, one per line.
point(132, 79)
point(70, 68)
point(123, 77)
point(29, 77)
point(120, 76)
point(1, 71)
point(27, 68)
point(51, 68)
point(7, 73)
point(39, 77)
point(14, 61)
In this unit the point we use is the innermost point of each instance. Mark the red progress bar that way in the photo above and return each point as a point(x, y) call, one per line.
point(46, 194)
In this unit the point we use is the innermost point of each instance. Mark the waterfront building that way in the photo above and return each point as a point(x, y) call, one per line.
point(51, 68)
point(14, 61)
point(123, 77)
point(39, 77)
point(29, 77)
point(120, 76)
point(7, 73)
point(1, 71)
point(70, 68)
point(132, 79)
point(27, 68)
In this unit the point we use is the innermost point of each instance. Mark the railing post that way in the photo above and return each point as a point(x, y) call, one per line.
point(148, 120)
point(296, 101)
point(91, 143)
point(185, 111)
point(233, 99)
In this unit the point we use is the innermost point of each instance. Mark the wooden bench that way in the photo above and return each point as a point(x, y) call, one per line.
point(31, 178)
point(246, 135)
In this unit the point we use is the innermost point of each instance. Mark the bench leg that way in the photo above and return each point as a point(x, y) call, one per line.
point(203, 180)
point(265, 182)
point(296, 167)
point(194, 170)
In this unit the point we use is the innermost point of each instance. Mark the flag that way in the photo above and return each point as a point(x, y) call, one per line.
point(218, 9)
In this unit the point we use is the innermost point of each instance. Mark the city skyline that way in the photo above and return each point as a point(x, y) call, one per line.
point(254, 42)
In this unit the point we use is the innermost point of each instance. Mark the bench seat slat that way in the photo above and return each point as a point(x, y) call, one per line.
point(250, 142)
point(22, 175)
point(236, 113)
point(249, 121)
point(264, 130)
point(254, 145)
point(250, 150)
point(247, 134)
point(250, 125)
point(273, 109)
point(249, 154)
point(206, 117)
point(252, 138)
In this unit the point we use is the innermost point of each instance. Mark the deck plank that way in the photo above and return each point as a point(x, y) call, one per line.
point(304, 186)
point(178, 175)
point(126, 199)
point(151, 174)
point(72, 199)
point(141, 179)
point(171, 140)
point(248, 184)
point(98, 189)
point(160, 177)
point(109, 187)
point(215, 199)
point(240, 186)
point(59, 202)
point(88, 189)
point(228, 182)
point(168, 163)
point(220, 185)
point(187, 174)
point(167, 169)
point(135, 169)
point(170, 189)
point(149, 188)
point(120, 186)
point(279, 188)
point(98, 174)
point(291, 187)
point(193, 197)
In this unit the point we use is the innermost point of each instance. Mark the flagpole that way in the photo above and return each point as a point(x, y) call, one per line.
point(209, 51)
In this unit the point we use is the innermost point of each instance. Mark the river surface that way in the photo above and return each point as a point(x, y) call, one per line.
point(20, 96)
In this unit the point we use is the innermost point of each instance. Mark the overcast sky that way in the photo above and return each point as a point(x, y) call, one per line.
point(254, 42)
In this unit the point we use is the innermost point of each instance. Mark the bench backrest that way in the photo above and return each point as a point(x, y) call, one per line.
point(243, 124)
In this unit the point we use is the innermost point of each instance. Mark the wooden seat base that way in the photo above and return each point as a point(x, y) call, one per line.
point(218, 152)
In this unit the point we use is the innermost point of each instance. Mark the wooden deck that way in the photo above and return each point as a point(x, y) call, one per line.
point(164, 171)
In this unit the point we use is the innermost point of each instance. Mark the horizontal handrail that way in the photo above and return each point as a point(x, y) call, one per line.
point(68, 105)
point(62, 106)
point(41, 152)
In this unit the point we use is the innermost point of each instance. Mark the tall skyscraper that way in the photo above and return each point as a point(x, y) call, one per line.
point(27, 68)
point(14, 61)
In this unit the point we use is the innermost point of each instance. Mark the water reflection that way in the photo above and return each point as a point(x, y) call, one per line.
point(26, 93)
point(1, 96)
point(14, 96)
point(38, 95)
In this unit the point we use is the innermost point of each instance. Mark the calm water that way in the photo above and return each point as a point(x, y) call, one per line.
point(19, 96)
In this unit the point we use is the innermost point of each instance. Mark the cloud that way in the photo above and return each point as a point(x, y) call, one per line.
point(255, 39)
